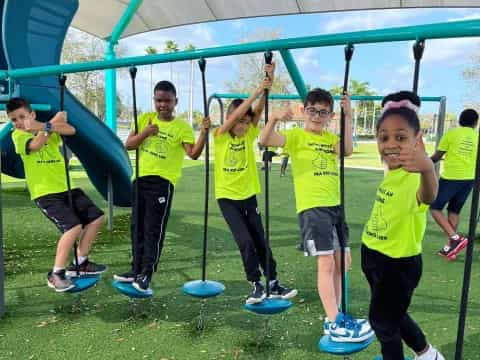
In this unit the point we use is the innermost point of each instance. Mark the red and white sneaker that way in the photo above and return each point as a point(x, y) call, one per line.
point(451, 250)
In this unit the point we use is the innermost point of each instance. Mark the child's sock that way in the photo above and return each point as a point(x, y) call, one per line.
point(81, 259)
point(57, 269)
point(455, 237)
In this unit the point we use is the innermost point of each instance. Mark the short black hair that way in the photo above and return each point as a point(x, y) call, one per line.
point(165, 85)
point(17, 103)
point(408, 114)
point(235, 104)
point(468, 117)
point(318, 95)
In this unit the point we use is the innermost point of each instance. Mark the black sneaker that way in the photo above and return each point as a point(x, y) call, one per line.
point(59, 281)
point(86, 268)
point(142, 282)
point(282, 292)
point(257, 295)
point(126, 277)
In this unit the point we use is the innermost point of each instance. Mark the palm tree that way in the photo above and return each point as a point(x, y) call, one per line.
point(190, 47)
point(171, 47)
point(358, 88)
point(150, 50)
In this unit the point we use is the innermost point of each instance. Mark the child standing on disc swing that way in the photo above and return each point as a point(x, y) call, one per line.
point(37, 144)
point(392, 237)
point(236, 187)
point(162, 140)
point(314, 152)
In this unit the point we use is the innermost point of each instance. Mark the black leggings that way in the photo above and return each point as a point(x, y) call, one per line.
point(392, 282)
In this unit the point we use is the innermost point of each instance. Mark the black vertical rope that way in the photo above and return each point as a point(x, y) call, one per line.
point(133, 74)
point(202, 64)
point(62, 79)
point(268, 60)
point(341, 233)
point(418, 48)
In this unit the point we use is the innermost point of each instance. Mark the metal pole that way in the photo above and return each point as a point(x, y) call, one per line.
point(2, 264)
point(190, 102)
point(294, 73)
point(220, 104)
point(442, 111)
point(111, 91)
point(110, 202)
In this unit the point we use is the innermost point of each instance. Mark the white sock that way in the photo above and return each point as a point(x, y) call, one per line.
point(81, 259)
point(57, 269)
point(455, 237)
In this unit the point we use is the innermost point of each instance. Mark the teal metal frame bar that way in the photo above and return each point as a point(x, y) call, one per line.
point(110, 74)
point(454, 29)
point(294, 72)
point(37, 107)
point(111, 88)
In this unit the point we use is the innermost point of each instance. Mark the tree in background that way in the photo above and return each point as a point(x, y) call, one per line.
point(250, 69)
point(171, 47)
point(362, 108)
point(472, 76)
point(88, 86)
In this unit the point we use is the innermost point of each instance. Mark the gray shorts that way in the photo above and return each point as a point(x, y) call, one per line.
point(320, 228)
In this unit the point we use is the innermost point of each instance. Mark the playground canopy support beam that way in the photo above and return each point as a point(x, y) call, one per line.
point(294, 73)
point(110, 74)
point(454, 29)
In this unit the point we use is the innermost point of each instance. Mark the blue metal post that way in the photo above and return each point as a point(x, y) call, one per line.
point(110, 75)
point(111, 91)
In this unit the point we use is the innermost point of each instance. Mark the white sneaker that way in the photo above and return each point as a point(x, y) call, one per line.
point(431, 354)
point(346, 329)
point(327, 323)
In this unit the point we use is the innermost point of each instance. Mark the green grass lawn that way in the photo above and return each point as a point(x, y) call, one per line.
point(102, 324)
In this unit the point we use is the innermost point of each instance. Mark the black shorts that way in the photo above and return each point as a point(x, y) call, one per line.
point(320, 229)
point(56, 208)
point(453, 192)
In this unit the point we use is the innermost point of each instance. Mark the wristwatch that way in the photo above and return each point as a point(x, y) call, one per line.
point(47, 128)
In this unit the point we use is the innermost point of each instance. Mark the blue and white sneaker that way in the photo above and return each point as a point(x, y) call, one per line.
point(346, 329)
point(348, 317)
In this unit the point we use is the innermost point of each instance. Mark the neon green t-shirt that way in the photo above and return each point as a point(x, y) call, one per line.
point(236, 175)
point(45, 168)
point(397, 222)
point(162, 154)
point(460, 146)
point(314, 168)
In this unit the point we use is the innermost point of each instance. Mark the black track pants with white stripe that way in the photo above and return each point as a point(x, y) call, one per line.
point(154, 202)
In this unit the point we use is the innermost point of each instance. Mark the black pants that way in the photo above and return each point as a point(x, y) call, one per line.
point(243, 218)
point(392, 282)
point(153, 207)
